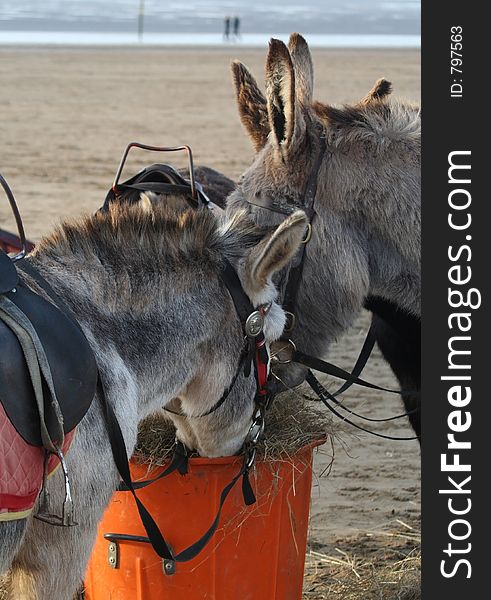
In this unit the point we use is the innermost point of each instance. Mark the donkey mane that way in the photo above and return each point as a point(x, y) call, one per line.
point(131, 253)
point(150, 233)
point(374, 120)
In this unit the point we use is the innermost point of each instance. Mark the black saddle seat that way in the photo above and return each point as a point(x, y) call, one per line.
point(71, 360)
point(158, 178)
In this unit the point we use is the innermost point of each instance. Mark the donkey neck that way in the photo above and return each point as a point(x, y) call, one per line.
point(373, 195)
point(147, 352)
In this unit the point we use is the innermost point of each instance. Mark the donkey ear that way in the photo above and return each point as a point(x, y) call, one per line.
point(285, 120)
point(275, 250)
point(304, 68)
point(381, 89)
point(252, 105)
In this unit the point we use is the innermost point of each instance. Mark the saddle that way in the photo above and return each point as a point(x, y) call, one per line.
point(69, 357)
point(157, 178)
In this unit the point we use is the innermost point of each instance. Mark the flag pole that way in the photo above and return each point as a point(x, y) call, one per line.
point(141, 18)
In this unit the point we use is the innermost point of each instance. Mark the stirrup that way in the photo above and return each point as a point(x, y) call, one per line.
point(44, 514)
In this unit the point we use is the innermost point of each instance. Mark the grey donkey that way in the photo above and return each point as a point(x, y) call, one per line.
point(365, 244)
point(143, 282)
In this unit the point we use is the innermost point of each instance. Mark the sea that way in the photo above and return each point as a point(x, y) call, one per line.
point(326, 23)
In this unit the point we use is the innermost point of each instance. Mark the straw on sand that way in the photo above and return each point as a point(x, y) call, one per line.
point(380, 564)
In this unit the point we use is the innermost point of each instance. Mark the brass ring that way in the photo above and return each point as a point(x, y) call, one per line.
point(293, 349)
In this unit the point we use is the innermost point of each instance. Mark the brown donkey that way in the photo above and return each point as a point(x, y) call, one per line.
point(365, 244)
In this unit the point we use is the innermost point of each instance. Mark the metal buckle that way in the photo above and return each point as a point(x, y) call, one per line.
point(66, 518)
point(250, 458)
point(256, 429)
point(282, 352)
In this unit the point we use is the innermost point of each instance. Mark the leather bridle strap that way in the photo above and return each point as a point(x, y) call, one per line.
point(295, 273)
point(361, 361)
point(222, 399)
point(325, 397)
point(244, 309)
point(329, 369)
point(230, 279)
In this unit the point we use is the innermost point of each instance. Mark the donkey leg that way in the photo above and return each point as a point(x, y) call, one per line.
point(11, 537)
point(52, 561)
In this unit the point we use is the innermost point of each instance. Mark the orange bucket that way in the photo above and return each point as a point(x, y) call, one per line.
point(257, 553)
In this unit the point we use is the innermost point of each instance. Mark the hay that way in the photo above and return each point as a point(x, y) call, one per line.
point(291, 423)
point(375, 565)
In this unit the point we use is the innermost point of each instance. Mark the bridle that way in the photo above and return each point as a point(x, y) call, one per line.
point(254, 359)
point(252, 319)
point(291, 288)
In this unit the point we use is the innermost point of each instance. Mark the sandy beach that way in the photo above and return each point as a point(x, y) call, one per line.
point(67, 115)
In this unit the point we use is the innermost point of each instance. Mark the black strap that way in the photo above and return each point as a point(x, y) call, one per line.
point(155, 536)
point(325, 396)
point(120, 456)
point(329, 369)
point(361, 361)
point(179, 462)
point(233, 284)
point(223, 397)
point(295, 274)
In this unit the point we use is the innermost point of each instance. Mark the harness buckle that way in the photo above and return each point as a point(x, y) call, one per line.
point(250, 458)
point(256, 429)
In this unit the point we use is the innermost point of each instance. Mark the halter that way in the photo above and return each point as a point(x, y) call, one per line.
point(291, 288)
point(254, 358)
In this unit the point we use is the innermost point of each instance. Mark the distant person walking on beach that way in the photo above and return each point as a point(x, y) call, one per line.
point(237, 27)
point(226, 28)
